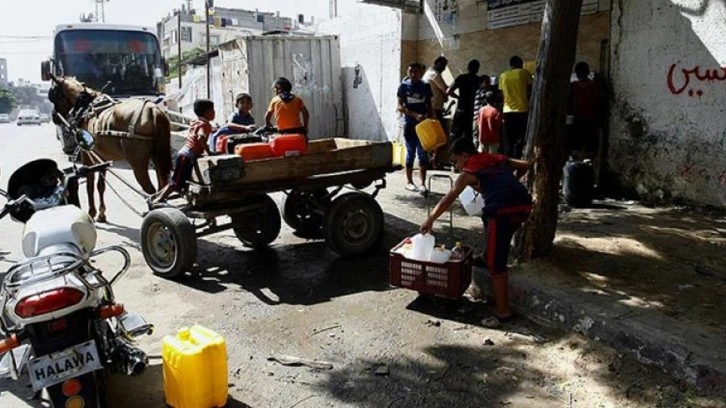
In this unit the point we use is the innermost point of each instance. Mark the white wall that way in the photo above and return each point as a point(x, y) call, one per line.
point(668, 126)
point(370, 39)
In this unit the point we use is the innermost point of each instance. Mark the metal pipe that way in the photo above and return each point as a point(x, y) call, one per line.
point(179, 48)
point(206, 12)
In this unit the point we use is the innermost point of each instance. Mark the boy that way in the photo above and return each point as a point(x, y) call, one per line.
point(287, 108)
point(414, 103)
point(507, 205)
point(239, 122)
point(489, 124)
point(195, 146)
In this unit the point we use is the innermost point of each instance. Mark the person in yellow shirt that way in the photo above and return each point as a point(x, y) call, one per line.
point(516, 85)
point(287, 110)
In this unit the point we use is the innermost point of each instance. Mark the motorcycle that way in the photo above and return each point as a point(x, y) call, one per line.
point(56, 305)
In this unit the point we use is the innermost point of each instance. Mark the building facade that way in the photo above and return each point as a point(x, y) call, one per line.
point(225, 24)
point(3, 72)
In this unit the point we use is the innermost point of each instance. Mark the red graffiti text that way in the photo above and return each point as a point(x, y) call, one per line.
point(722, 178)
point(680, 80)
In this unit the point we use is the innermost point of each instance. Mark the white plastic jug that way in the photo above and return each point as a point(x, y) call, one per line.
point(422, 246)
point(472, 201)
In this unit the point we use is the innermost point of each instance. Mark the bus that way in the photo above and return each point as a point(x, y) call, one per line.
point(122, 61)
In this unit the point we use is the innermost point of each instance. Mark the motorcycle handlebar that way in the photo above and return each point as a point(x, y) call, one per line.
point(10, 205)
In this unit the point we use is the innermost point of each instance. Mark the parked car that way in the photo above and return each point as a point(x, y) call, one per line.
point(44, 118)
point(28, 117)
point(4, 118)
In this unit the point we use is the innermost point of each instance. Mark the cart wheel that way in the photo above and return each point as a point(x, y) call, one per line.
point(168, 242)
point(257, 229)
point(353, 224)
point(298, 209)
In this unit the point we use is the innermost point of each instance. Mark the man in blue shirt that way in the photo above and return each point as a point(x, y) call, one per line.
point(414, 102)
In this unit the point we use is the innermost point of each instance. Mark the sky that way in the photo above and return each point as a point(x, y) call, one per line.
point(27, 25)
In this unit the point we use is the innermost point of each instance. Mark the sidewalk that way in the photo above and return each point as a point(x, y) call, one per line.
point(649, 282)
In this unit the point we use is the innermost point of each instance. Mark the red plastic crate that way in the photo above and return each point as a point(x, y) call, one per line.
point(448, 279)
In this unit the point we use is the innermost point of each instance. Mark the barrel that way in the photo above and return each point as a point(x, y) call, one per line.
point(578, 183)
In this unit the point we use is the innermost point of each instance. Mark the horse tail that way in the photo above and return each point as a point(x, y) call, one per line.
point(162, 148)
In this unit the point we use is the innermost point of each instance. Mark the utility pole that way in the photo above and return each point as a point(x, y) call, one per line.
point(179, 47)
point(207, 5)
point(102, 5)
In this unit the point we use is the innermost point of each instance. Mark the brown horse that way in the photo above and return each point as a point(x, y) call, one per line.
point(133, 130)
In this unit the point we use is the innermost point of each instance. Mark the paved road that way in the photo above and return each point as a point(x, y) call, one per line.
point(388, 347)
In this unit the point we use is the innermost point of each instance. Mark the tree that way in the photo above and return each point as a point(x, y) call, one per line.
point(187, 56)
point(546, 125)
point(7, 100)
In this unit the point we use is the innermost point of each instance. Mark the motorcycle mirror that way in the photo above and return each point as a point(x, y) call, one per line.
point(85, 139)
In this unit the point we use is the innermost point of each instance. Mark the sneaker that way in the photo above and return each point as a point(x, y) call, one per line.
point(411, 187)
point(423, 191)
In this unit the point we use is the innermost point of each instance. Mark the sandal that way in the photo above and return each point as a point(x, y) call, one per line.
point(495, 321)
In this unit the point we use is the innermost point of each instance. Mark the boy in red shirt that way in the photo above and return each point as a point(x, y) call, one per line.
point(195, 146)
point(489, 124)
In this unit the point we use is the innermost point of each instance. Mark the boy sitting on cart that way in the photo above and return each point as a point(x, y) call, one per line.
point(239, 122)
point(195, 146)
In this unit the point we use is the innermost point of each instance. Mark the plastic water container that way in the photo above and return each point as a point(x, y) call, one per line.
point(221, 145)
point(472, 201)
point(254, 151)
point(431, 134)
point(289, 145)
point(439, 255)
point(578, 183)
point(195, 368)
point(422, 246)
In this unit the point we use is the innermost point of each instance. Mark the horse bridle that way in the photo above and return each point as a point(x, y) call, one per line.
point(78, 111)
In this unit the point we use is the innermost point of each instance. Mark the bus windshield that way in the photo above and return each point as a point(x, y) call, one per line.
point(124, 62)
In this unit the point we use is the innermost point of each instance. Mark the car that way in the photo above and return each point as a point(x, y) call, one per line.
point(4, 118)
point(44, 118)
point(28, 117)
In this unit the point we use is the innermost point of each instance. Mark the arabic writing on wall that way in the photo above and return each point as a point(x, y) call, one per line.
point(693, 80)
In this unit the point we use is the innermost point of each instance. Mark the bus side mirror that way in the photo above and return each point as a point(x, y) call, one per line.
point(45, 70)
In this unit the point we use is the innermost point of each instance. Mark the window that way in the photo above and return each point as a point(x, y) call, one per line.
point(186, 34)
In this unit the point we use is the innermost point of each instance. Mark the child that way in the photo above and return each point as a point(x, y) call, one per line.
point(489, 124)
point(507, 205)
point(239, 122)
point(287, 109)
point(195, 146)
point(485, 84)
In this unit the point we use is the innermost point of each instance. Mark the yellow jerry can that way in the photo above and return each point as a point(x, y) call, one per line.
point(431, 134)
point(195, 368)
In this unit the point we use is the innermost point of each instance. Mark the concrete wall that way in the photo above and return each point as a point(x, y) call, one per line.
point(371, 54)
point(462, 36)
point(668, 121)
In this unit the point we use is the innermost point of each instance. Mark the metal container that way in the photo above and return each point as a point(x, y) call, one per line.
point(251, 64)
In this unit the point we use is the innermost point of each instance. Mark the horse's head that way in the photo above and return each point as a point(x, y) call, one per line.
point(67, 93)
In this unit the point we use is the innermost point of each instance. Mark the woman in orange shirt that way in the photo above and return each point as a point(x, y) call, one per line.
point(287, 109)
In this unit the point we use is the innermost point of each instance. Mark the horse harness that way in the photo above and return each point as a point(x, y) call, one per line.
point(88, 107)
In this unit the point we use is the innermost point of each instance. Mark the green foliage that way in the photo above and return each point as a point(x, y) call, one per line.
point(27, 96)
point(187, 56)
point(7, 100)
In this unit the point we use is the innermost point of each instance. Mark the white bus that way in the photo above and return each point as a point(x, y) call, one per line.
point(123, 61)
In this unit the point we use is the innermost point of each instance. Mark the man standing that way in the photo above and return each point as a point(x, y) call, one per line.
point(414, 103)
point(467, 84)
point(438, 89)
point(516, 85)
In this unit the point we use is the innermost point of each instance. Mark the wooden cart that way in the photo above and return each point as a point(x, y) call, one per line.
point(351, 222)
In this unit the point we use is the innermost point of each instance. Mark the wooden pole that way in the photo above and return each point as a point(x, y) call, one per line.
point(546, 125)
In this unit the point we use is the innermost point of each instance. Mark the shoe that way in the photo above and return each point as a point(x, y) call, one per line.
point(411, 187)
point(423, 191)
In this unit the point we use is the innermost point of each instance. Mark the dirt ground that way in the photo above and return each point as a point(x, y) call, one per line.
point(672, 260)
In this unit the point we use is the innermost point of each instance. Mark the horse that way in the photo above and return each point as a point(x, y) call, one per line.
point(133, 130)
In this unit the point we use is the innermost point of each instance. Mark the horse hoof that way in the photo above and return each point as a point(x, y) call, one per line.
point(101, 218)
